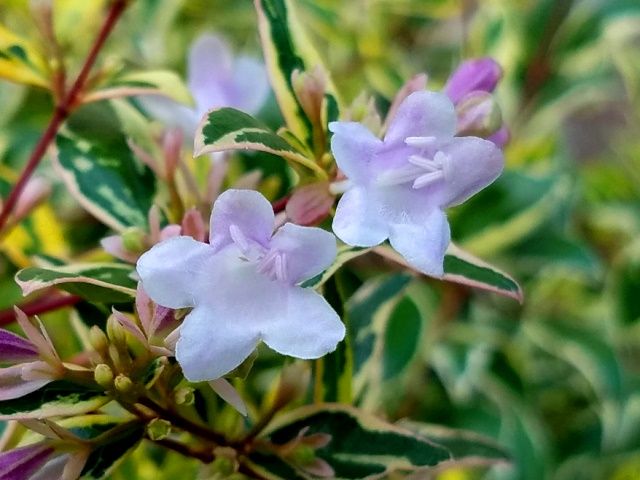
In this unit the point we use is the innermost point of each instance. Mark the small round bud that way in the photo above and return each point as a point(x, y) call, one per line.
point(103, 376)
point(123, 384)
point(223, 465)
point(98, 340)
point(184, 396)
point(133, 240)
point(157, 429)
point(303, 455)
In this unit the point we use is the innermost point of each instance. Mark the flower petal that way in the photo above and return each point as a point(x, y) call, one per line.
point(229, 394)
point(251, 86)
point(354, 148)
point(422, 114)
point(210, 345)
point(248, 210)
point(309, 250)
point(22, 463)
point(308, 328)
point(358, 221)
point(474, 163)
point(209, 72)
point(226, 326)
point(423, 245)
point(12, 385)
point(170, 113)
point(168, 270)
point(14, 348)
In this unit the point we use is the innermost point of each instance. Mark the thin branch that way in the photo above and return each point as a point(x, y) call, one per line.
point(183, 423)
point(202, 455)
point(43, 304)
point(62, 110)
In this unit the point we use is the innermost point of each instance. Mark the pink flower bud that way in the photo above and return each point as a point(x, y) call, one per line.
point(479, 74)
point(35, 192)
point(310, 204)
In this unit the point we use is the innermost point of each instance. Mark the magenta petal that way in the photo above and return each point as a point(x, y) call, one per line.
point(481, 74)
point(22, 463)
point(14, 348)
point(501, 137)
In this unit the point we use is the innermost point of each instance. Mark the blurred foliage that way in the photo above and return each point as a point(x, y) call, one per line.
point(555, 381)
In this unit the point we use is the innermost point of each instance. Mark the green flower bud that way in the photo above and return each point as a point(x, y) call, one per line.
point(157, 429)
point(98, 340)
point(123, 384)
point(303, 455)
point(184, 396)
point(103, 376)
point(133, 240)
point(223, 465)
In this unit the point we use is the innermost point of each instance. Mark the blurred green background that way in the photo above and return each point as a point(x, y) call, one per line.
point(556, 380)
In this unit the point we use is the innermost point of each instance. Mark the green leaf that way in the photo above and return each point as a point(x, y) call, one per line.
point(110, 451)
point(333, 373)
point(58, 398)
point(99, 169)
point(230, 129)
point(99, 282)
point(520, 204)
point(361, 446)
point(286, 49)
point(467, 448)
point(401, 338)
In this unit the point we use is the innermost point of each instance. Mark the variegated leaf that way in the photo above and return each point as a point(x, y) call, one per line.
point(463, 268)
point(58, 398)
point(20, 62)
point(101, 282)
point(360, 446)
point(468, 449)
point(230, 129)
point(286, 50)
point(158, 82)
point(110, 449)
point(99, 169)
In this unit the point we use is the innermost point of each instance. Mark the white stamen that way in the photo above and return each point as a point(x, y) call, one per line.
point(427, 164)
point(239, 238)
point(426, 179)
point(274, 266)
point(420, 142)
point(398, 176)
point(281, 267)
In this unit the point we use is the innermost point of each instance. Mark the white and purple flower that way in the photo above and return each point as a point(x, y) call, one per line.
point(244, 287)
point(399, 186)
point(215, 79)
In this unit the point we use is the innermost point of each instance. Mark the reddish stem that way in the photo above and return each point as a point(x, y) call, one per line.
point(62, 110)
point(44, 304)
